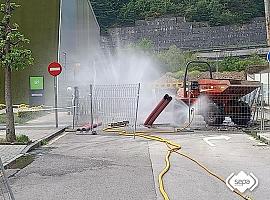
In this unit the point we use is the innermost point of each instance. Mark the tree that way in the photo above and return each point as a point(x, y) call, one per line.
point(13, 56)
point(240, 64)
point(145, 45)
point(107, 12)
point(174, 59)
point(216, 12)
point(144, 9)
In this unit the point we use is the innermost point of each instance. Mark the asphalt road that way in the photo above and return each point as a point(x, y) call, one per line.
point(188, 181)
point(118, 167)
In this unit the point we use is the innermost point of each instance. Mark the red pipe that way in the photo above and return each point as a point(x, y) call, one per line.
point(157, 113)
point(155, 109)
point(83, 127)
point(88, 127)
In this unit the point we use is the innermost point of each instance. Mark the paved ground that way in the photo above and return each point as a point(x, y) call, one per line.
point(8, 152)
point(187, 181)
point(116, 167)
point(89, 167)
point(35, 130)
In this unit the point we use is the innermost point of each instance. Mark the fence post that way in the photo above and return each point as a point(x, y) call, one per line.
point(137, 109)
point(262, 108)
point(75, 107)
point(189, 105)
point(268, 87)
point(91, 110)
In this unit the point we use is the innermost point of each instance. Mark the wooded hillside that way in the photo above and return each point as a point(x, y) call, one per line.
point(217, 12)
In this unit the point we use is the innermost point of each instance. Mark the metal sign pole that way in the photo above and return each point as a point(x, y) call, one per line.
point(55, 101)
point(55, 69)
point(74, 107)
point(137, 109)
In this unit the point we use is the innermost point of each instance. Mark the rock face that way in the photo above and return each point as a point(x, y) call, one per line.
point(165, 32)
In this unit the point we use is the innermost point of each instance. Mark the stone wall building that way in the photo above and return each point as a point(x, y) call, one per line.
point(164, 32)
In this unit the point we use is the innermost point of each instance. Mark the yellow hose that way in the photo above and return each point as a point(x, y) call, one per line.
point(160, 176)
point(172, 148)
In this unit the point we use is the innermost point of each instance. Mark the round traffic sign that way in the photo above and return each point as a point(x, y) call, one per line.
point(55, 69)
point(268, 56)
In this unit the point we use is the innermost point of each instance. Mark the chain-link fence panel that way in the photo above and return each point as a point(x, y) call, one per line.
point(108, 104)
point(230, 103)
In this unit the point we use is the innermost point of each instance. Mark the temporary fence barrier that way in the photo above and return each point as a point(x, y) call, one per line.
point(237, 106)
point(107, 104)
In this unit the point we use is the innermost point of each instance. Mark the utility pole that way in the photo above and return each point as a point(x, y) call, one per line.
point(267, 18)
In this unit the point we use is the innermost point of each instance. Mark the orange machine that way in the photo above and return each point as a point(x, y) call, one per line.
point(224, 97)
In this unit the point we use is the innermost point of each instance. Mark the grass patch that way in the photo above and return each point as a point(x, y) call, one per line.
point(22, 162)
point(23, 139)
point(20, 140)
point(44, 142)
point(22, 118)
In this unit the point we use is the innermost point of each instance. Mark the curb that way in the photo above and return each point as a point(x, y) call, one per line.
point(259, 136)
point(33, 146)
point(39, 142)
point(12, 161)
point(264, 139)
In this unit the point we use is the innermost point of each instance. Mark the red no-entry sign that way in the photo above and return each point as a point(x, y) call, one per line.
point(55, 69)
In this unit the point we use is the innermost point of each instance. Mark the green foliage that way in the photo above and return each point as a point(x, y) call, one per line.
point(145, 45)
point(179, 74)
point(23, 139)
point(44, 142)
point(216, 12)
point(174, 59)
point(22, 117)
point(194, 73)
point(107, 12)
point(240, 64)
point(220, 12)
point(143, 9)
point(28, 114)
point(12, 51)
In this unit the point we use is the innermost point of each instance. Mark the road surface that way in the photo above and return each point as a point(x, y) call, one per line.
point(120, 168)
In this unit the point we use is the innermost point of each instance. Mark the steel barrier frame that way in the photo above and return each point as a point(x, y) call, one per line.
point(108, 104)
